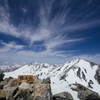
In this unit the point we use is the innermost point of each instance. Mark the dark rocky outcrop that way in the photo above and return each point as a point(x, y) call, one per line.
point(88, 95)
point(11, 83)
point(97, 75)
point(23, 94)
point(1, 76)
point(63, 96)
point(38, 90)
point(8, 79)
point(46, 81)
point(85, 93)
point(2, 83)
point(7, 91)
point(78, 73)
point(92, 97)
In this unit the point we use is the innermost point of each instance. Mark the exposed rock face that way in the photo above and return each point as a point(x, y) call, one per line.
point(5, 92)
point(24, 86)
point(85, 93)
point(41, 81)
point(46, 81)
point(23, 94)
point(36, 80)
point(42, 92)
point(2, 83)
point(63, 96)
point(38, 90)
point(1, 76)
point(97, 75)
point(14, 83)
point(88, 95)
point(92, 97)
point(8, 79)
point(11, 82)
point(77, 70)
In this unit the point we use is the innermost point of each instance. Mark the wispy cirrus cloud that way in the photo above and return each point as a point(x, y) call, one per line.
point(46, 29)
point(53, 22)
point(10, 47)
point(14, 52)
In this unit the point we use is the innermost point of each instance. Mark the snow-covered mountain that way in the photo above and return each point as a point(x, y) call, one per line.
point(63, 76)
point(9, 68)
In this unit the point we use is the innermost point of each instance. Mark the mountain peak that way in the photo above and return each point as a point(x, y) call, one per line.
point(74, 71)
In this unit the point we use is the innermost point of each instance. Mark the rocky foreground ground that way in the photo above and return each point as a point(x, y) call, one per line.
point(39, 89)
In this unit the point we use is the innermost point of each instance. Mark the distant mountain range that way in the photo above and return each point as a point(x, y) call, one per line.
point(9, 67)
point(64, 75)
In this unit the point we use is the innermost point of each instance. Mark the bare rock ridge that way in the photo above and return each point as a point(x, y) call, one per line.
point(64, 79)
point(40, 89)
point(37, 90)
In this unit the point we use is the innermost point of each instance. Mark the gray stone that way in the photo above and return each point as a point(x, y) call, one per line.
point(7, 91)
point(1, 76)
point(2, 83)
point(24, 86)
point(10, 83)
point(15, 83)
point(23, 95)
point(46, 81)
point(88, 95)
point(63, 96)
point(42, 92)
point(97, 75)
point(32, 85)
point(85, 93)
point(10, 97)
point(8, 79)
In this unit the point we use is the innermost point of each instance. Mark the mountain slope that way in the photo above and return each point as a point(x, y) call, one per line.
point(9, 68)
point(63, 76)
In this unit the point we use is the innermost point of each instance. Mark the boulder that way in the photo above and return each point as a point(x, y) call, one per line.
point(10, 97)
point(23, 95)
point(88, 95)
point(41, 81)
point(36, 80)
point(97, 75)
point(63, 96)
point(2, 83)
point(32, 85)
point(85, 93)
point(1, 76)
point(8, 79)
point(12, 82)
point(7, 91)
point(46, 81)
point(42, 92)
point(24, 86)
point(92, 97)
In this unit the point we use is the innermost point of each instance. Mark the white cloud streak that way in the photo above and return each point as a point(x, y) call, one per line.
point(48, 31)
point(14, 52)
point(10, 47)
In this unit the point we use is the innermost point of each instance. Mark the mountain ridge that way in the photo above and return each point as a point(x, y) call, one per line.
point(64, 75)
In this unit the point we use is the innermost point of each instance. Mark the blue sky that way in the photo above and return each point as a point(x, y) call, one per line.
point(52, 31)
